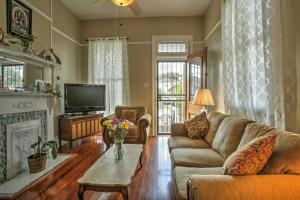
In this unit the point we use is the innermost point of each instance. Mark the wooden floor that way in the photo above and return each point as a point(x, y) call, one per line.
point(154, 181)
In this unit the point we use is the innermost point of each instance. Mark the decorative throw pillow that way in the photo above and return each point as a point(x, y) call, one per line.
point(130, 115)
point(198, 126)
point(251, 158)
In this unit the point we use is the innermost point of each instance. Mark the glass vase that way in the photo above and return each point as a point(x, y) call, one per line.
point(119, 151)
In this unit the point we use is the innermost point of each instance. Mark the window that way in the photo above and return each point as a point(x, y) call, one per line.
point(172, 47)
point(11, 75)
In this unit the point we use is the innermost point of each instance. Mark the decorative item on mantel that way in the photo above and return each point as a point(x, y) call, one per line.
point(118, 129)
point(37, 161)
point(49, 89)
point(27, 43)
point(49, 55)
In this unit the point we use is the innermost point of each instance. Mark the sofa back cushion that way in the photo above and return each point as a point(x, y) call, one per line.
point(252, 131)
point(214, 119)
point(139, 109)
point(286, 155)
point(229, 135)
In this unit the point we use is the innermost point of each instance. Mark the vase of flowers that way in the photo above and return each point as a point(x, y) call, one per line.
point(118, 128)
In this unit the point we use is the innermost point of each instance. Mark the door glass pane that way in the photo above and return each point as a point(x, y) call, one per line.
point(195, 79)
point(171, 94)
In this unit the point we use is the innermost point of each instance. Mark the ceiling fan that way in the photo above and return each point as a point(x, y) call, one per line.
point(132, 4)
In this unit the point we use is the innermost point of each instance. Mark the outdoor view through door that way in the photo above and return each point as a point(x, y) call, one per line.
point(171, 94)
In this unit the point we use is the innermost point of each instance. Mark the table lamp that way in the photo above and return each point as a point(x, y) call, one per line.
point(204, 98)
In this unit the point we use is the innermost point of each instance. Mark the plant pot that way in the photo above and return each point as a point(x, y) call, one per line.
point(37, 163)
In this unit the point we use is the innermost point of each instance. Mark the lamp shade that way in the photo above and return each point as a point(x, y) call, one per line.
point(122, 2)
point(203, 97)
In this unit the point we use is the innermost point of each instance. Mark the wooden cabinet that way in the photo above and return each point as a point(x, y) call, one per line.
point(72, 128)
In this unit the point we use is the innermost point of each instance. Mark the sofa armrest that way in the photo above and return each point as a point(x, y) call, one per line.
point(178, 129)
point(144, 127)
point(263, 187)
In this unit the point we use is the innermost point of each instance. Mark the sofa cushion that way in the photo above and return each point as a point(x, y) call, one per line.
point(229, 135)
point(286, 155)
point(182, 174)
point(251, 158)
point(196, 158)
point(214, 119)
point(186, 142)
point(252, 131)
point(198, 126)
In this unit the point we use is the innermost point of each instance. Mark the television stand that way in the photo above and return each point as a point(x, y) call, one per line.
point(72, 128)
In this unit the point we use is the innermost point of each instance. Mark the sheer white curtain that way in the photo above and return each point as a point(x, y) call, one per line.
point(253, 82)
point(108, 65)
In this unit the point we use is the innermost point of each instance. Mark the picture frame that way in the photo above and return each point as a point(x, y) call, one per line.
point(19, 19)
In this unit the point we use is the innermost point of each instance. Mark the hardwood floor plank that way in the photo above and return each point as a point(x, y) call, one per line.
point(153, 181)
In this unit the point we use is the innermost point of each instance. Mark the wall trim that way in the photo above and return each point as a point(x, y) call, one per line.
point(85, 44)
point(37, 10)
point(66, 36)
point(212, 30)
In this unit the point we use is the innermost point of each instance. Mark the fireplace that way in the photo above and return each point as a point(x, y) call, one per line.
point(19, 137)
point(17, 132)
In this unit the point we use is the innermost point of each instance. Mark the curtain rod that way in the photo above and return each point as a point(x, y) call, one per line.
point(106, 38)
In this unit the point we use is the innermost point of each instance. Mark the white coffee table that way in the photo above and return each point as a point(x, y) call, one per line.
point(110, 175)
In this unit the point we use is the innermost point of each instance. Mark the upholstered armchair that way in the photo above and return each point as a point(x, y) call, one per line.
point(138, 133)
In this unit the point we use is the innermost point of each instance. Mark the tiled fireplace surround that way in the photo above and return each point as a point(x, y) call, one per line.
point(16, 109)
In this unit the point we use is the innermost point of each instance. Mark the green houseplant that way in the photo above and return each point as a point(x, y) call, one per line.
point(37, 161)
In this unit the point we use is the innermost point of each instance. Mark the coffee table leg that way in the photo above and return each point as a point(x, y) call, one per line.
point(141, 162)
point(125, 193)
point(80, 192)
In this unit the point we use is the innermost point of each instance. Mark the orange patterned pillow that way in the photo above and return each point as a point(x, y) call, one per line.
point(251, 158)
point(198, 126)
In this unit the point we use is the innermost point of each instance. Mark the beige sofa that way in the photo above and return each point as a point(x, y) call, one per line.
point(197, 163)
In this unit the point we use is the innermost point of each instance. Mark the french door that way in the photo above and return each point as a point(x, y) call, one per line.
point(171, 94)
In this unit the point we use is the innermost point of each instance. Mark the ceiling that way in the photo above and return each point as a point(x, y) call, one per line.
point(85, 9)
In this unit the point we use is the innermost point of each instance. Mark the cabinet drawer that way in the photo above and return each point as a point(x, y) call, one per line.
point(79, 130)
point(74, 131)
point(83, 129)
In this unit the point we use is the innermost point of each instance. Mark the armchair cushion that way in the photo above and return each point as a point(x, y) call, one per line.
point(132, 132)
point(182, 175)
point(140, 110)
point(129, 115)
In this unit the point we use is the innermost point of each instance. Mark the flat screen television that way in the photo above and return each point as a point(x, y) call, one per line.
point(84, 98)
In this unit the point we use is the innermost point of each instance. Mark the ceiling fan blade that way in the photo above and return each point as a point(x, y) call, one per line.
point(97, 1)
point(135, 8)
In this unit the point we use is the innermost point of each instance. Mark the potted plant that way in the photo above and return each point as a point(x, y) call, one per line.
point(37, 161)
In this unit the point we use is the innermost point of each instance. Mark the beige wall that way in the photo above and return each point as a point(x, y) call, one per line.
point(140, 55)
point(68, 51)
point(214, 56)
